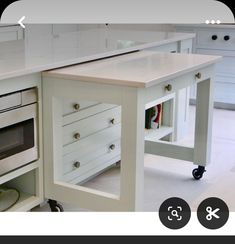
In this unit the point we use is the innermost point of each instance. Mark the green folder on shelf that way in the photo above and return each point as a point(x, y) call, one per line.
point(8, 198)
point(149, 113)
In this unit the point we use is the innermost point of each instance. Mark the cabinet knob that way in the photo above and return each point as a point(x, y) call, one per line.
point(112, 147)
point(76, 136)
point(198, 75)
point(77, 164)
point(214, 37)
point(168, 87)
point(76, 106)
point(226, 38)
point(112, 121)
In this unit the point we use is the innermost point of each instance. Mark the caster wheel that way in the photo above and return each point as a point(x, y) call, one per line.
point(198, 173)
point(118, 164)
point(55, 207)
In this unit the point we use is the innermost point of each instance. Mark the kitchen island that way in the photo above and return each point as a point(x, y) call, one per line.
point(116, 84)
point(21, 64)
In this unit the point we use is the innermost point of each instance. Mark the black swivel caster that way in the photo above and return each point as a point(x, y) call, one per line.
point(54, 206)
point(198, 172)
point(118, 164)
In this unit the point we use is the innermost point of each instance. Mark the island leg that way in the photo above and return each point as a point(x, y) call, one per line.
point(203, 126)
point(132, 150)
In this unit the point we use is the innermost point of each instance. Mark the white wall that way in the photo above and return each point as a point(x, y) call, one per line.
point(147, 27)
point(37, 30)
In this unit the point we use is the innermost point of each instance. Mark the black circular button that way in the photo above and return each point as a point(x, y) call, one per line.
point(226, 38)
point(174, 213)
point(213, 213)
point(214, 37)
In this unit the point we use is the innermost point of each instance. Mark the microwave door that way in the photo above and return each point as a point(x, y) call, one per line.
point(18, 138)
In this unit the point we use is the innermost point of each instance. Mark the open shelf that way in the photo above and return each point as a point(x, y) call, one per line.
point(25, 202)
point(157, 134)
point(28, 185)
point(18, 172)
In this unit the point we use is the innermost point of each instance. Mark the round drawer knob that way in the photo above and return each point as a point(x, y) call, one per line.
point(214, 37)
point(168, 87)
point(112, 121)
point(226, 38)
point(76, 106)
point(76, 136)
point(77, 164)
point(198, 75)
point(112, 147)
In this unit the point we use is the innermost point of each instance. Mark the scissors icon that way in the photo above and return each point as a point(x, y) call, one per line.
point(212, 213)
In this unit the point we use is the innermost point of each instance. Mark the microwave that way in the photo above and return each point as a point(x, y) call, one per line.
point(18, 129)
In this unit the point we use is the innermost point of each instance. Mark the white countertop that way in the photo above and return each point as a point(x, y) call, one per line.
point(140, 69)
point(223, 26)
point(48, 52)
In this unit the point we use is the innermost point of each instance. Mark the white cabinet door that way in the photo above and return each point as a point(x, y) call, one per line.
point(10, 33)
point(224, 75)
point(211, 40)
point(63, 28)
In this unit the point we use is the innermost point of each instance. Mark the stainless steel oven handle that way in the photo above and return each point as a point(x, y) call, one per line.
point(18, 115)
point(10, 101)
point(18, 99)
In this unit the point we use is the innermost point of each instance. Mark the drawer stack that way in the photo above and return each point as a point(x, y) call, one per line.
point(91, 139)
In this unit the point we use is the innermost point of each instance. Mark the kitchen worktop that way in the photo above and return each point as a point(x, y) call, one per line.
point(26, 56)
point(226, 25)
point(130, 70)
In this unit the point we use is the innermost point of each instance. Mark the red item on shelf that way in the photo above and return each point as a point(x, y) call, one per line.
point(158, 108)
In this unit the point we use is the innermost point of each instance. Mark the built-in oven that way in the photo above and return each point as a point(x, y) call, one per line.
point(18, 129)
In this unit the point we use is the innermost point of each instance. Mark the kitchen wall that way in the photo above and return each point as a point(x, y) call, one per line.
point(147, 27)
point(41, 39)
point(34, 30)
point(39, 30)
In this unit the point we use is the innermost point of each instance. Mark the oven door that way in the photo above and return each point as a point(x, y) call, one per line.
point(18, 138)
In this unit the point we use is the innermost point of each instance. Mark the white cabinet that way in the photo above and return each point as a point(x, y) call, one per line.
point(63, 28)
point(91, 131)
point(91, 135)
point(133, 83)
point(10, 33)
point(216, 40)
point(28, 179)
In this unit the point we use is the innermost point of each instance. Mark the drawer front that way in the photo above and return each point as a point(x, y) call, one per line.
point(72, 106)
point(224, 89)
point(76, 165)
point(227, 65)
point(86, 112)
point(10, 33)
point(92, 142)
point(91, 125)
point(167, 89)
point(98, 165)
point(216, 38)
point(224, 92)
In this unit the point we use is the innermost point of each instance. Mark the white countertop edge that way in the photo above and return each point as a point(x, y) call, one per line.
point(226, 26)
point(59, 64)
point(179, 73)
point(135, 84)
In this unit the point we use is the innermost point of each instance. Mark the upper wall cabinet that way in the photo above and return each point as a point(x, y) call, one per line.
point(63, 28)
point(11, 33)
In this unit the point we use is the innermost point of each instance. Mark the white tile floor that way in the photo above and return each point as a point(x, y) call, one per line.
point(166, 177)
